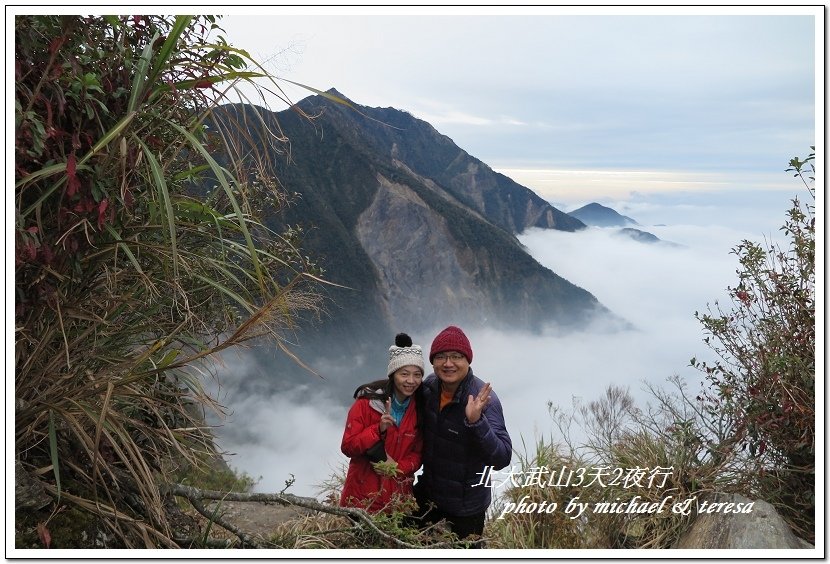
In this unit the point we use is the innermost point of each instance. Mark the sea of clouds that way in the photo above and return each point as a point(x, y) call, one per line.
point(279, 435)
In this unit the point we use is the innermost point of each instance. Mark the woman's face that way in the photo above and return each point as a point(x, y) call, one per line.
point(406, 380)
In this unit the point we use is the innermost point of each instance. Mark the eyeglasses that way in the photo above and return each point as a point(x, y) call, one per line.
point(455, 357)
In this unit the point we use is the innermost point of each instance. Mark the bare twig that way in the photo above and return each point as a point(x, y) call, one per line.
point(247, 540)
point(195, 496)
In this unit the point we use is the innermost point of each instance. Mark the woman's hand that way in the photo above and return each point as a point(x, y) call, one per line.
point(388, 467)
point(386, 420)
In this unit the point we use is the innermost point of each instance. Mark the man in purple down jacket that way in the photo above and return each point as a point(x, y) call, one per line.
point(464, 436)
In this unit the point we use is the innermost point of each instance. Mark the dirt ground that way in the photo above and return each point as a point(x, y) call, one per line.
point(256, 518)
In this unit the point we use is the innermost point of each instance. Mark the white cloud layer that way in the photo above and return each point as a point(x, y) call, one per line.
point(657, 288)
point(707, 107)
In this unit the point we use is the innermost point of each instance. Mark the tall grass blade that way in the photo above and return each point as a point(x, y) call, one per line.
point(140, 78)
point(221, 177)
point(123, 246)
point(228, 292)
point(179, 26)
point(53, 452)
point(164, 195)
point(99, 428)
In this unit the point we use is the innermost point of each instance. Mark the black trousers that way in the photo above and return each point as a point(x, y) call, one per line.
point(463, 526)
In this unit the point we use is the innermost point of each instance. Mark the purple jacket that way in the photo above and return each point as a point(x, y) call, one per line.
point(456, 453)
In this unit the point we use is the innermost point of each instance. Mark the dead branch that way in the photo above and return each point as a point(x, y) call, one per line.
point(215, 517)
point(196, 496)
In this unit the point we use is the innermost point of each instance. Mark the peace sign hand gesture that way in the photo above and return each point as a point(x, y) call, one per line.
point(386, 420)
point(477, 403)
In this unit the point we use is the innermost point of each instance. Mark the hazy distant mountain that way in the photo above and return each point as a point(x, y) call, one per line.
point(422, 233)
point(643, 237)
point(637, 235)
point(598, 215)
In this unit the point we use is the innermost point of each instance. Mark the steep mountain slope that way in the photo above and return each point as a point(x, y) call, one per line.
point(421, 233)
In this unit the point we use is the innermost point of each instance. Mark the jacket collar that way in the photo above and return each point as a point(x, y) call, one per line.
point(378, 405)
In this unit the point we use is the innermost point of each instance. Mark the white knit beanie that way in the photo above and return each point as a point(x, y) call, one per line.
point(404, 353)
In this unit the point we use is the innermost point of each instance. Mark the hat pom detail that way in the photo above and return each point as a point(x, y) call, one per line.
point(403, 340)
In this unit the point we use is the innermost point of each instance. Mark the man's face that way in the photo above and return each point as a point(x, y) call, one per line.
point(451, 367)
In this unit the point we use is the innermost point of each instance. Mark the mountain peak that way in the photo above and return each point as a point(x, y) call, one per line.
point(335, 92)
point(598, 215)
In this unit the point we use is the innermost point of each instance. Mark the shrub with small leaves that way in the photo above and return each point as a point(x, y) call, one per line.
point(763, 384)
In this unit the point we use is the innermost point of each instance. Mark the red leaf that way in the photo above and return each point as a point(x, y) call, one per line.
point(72, 184)
point(46, 255)
point(43, 533)
point(31, 251)
point(56, 44)
point(84, 205)
point(102, 208)
point(70, 165)
point(204, 83)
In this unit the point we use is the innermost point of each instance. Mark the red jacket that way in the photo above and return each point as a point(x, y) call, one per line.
point(364, 487)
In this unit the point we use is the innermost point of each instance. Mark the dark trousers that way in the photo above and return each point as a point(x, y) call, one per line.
point(427, 514)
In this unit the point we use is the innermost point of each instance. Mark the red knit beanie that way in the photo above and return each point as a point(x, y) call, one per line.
point(451, 339)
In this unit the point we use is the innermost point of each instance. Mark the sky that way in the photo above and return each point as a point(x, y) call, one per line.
point(683, 122)
point(578, 104)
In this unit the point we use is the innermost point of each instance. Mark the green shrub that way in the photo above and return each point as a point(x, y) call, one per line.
point(126, 280)
point(763, 384)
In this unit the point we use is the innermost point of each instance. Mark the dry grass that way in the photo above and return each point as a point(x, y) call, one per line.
point(138, 257)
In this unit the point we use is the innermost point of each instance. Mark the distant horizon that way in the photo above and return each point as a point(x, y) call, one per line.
point(698, 99)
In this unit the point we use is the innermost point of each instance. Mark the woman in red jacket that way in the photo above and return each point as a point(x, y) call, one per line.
point(382, 426)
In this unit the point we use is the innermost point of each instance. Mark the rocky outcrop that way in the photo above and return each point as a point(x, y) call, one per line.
point(762, 527)
point(28, 490)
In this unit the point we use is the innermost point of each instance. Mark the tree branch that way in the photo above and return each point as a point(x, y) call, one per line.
point(196, 496)
point(247, 540)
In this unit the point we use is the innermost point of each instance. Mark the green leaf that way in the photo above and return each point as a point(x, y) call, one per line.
point(191, 173)
point(179, 26)
point(214, 79)
point(137, 92)
point(168, 358)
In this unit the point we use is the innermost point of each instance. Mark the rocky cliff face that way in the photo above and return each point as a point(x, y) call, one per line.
point(420, 232)
point(415, 146)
